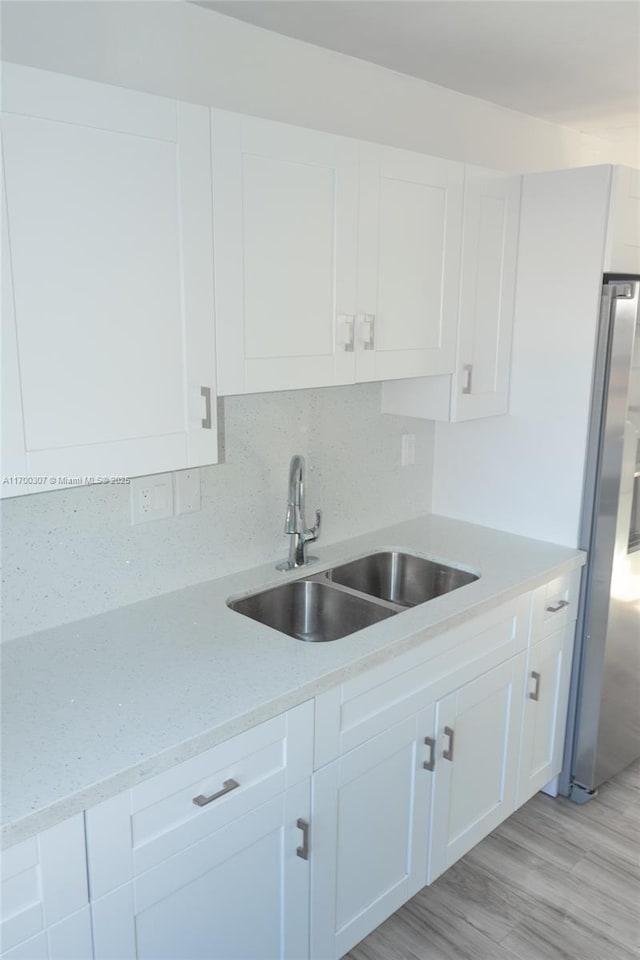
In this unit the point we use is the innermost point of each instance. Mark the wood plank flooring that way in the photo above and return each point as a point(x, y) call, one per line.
point(556, 881)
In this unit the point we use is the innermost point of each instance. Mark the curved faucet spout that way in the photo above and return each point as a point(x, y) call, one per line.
point(294, 521)
point(295, 524)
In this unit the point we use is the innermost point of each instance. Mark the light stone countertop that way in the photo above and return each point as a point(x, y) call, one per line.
point(93, 707)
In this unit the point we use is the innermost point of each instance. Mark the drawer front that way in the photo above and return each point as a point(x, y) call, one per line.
point(361, 708)
point(138, 829)
point(555, 604)
point(43, 881)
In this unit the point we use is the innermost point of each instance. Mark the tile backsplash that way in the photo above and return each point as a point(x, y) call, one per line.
point(73, 553)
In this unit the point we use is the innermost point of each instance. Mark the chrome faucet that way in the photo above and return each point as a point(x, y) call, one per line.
point(295, 524)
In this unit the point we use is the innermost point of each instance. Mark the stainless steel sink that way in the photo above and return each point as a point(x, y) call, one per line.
point(400, 578)
point(336, 602)
point(311, 610)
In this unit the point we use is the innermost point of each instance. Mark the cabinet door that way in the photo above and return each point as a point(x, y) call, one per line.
point(478, 730)
point(240, 894)
point(545, 711)
point(408, 264)
point(479, 386)
point(109, 363)
point(70, 939)
point(487, 292)
point(371, 814)
point(285, 207)
point(44, 896)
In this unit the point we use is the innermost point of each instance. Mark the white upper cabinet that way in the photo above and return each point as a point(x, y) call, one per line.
point(479, 386)
point(108, 327)
point(285, 222)
point(410, 224)
point(335, 261)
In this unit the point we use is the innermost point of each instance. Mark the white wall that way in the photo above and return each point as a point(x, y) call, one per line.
point(181, 50)
point(523, 472)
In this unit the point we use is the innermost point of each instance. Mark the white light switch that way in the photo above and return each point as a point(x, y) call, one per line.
point(187, 490)
point(408, 449)
point(151, 498)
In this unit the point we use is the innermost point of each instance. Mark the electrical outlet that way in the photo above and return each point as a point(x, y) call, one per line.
point(408, 449)
point(151, 498)
point(186, 485)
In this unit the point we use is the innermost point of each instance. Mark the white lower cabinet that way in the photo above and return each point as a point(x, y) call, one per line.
point(420, 758)
point(209, 860)
point(478, 740)
point(44, 911)
point(241, 893)
point(246, 852)
point(370, 829)
point(545, 711)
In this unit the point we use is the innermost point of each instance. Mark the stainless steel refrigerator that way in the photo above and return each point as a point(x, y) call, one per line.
point(604, 717)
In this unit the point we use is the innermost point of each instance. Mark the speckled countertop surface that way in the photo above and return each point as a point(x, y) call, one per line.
point(95, 706)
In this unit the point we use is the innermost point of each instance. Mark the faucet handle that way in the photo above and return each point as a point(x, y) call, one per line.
point(314, 532)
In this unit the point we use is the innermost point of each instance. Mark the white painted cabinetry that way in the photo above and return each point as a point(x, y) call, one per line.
point(108, 328)
point(397, 805)
point(299, 836)
point(44, 902)
point(336, 261)
point(479, 386)
point(478, 740)
point(285, 221)
point(546, 695)
point(370, 829)
point(210, 859)
point(410, 225)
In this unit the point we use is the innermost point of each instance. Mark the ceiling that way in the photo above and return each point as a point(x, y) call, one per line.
point(572, 62)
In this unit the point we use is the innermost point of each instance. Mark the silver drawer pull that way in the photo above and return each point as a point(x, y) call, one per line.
point(206, 420)
point(227, 787)
point(554, 607)
point(303, 851)
point(448, 753)
point(535, 676)
point(430, 764)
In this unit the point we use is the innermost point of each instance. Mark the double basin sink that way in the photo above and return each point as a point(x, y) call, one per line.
point(337, 602)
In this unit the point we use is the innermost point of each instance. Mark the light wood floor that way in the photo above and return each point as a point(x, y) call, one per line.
point(556, 881)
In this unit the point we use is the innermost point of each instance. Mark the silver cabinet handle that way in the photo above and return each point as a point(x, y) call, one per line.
point(430, 764)
point(303, 851)
point(346, 325)
point(206, 393)
point(448, 753)
point(227, 787)
point(554, 607)
point(368, 324)
point(468, 374)
point(535, 676)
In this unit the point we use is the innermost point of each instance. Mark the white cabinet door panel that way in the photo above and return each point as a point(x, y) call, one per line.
point(240, 894)
point(476, 770)
point(408, 263)
point(545, 711)
point(44, 895)
point(69, 939)
point(285, 206)
point(371, 813)
point(110, 243)
point(487, 292)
